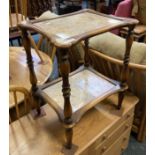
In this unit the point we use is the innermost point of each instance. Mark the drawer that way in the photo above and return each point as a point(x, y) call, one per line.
point(105, 142)
point(125, 122)
point(115, 134)
point(125, 142)
point(116, 147)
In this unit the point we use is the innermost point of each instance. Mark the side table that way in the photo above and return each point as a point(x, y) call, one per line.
point(88, 86)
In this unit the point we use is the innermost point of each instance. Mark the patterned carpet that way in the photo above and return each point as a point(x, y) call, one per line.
point(135, 148)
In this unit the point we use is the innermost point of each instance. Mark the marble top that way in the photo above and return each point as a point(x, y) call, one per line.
point(66, 30)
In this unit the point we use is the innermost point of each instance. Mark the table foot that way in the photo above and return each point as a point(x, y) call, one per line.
point(66, 151)
point(120, 100)
point(69, 136)
point(35, 115)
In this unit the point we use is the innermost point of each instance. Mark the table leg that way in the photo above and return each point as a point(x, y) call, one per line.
point(27, 46)
point(33, 78)
point(86, 56)
point(129, 41)
point(64, 70)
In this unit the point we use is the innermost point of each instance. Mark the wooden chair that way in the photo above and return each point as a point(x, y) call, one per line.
point(112, 67)
point(19, 101)
point(17, 14)
point(139, 12)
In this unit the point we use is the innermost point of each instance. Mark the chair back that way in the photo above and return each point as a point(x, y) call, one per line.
point(20, 100)
point(124, 9)
point(17, 12)
point(136, 81)
point(141, 13)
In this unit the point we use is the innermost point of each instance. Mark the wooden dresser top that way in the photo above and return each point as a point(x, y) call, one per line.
point(45, 135)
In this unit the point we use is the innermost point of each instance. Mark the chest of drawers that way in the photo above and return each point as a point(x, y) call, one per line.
point(102, 130)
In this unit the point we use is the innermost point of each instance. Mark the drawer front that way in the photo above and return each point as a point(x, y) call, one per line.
point(117, 132)
point(105, 143)
point(116, 147)
point(125, 142)
point(107, 140)
point(108, 137)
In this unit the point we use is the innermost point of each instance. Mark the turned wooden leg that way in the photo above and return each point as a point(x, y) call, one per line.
point(64, 70)
point(86, 56)
point(129, 41)
point(33, 78)
point(69, 136)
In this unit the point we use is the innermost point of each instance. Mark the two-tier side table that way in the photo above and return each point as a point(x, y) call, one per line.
point(84, 88)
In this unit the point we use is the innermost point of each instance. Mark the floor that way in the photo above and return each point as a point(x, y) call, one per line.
point(135, 148)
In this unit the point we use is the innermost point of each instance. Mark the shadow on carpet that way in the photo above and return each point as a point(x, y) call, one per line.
point(135, 148)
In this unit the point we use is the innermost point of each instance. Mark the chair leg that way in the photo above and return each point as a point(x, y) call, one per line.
point(19, 41)
point(11, 42)
point(35, 47)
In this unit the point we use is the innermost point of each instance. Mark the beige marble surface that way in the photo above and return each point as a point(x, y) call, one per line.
point(85, 86)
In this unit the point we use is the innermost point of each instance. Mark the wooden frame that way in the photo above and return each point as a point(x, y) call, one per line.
point(56, 34)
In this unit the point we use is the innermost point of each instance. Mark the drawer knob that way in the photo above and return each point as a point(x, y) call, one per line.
point(127, 126)
point(125, 138)
point(122, 149)
point(103, 149)
point(128, 115)
point(104, 137)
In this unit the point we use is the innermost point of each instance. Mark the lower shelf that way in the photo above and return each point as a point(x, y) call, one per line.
point(88, 88)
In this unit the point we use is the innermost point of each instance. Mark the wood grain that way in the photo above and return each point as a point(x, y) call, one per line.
point(19, 73)
point(45, 135)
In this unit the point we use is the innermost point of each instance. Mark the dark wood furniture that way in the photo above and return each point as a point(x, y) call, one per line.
point(36, 7)
point(109, 133)
point(68, 6)
point(64, 32)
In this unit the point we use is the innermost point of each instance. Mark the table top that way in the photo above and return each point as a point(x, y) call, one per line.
point(66, 30)
point(18, 70)
point(45, 135)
